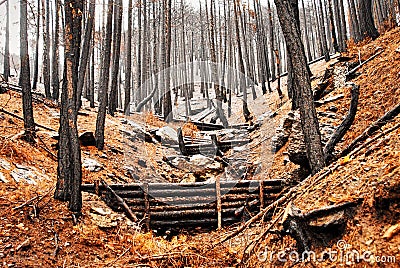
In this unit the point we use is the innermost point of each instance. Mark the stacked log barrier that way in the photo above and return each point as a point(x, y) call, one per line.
point(167, 205)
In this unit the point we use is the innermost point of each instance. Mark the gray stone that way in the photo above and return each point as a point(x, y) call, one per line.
point(92, 165)
point(297, 150)
point(167, 135)
point(282, 132)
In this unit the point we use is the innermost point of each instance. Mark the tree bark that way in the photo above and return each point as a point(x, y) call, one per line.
point(301, 78)
point(104, 79)
point(113, 101)
point(68, 187)
point(6, 63)
point(366, 21)
point(85, 52)
point(55, 79)
point(167, 105)
point(29, 123)
point(128, 70)
point(46, 47)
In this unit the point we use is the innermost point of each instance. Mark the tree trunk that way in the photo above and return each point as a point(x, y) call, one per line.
point(128, 70)
point(104, 79)
point(301, 78)
point(6, 72)
point(69, 180)
point(367, 27)
point(354, 21)
point(36, 60)
point(55, 79)
point(242, 82)
point(113, 101)
point(29, 123)
point(167, 105)
point(85, 52)
point(46, 47)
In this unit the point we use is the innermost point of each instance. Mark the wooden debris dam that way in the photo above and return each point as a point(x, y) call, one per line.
point(190, 205)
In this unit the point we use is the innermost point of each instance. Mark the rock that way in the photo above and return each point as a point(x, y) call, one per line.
point(2, 178)
point(23, 173)
point(282, 132)
point(327, 114)
point(297, 150)
point(5, 164)
point(87, 139)
point(92, 165)
point(167, 135)
point(203, 163)
point(142, 163)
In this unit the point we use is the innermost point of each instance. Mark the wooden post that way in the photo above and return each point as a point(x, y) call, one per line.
point(146, 206)
point(219, 205)
point(261, 195)
point(182, 147)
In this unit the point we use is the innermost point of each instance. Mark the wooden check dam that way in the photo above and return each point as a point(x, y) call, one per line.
point(161, 206)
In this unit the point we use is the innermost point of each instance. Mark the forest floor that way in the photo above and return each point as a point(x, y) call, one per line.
point(38, 231)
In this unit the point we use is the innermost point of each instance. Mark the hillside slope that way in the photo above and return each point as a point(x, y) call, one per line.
point(37, 231)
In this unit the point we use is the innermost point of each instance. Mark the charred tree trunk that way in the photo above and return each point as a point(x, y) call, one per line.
point(46, 47)
point(242, 82)
point(6, 72)
point(113, 101)
point(104, 79)
point(128, 70)
point(301, 79)
point(366, 21)
point(29, 123)
point(85, 52)
point(55, 79)
point(69, 179)
point(36, 60)
point(167, 102)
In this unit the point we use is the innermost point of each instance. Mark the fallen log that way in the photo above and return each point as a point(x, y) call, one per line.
point(332, 99)
point(22, 119)
point(372, 129)
point(344, 126)
point(354, 70)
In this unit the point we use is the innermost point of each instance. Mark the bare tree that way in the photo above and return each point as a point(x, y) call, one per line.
point(55, 79)
point(113, 101)
point(6, 72)
point(104, 79)
point(46, 47)
point(166, 55)
point(128, 71)
point(85, 52)
point(366, 21)
point(69, 179)
point(301, 79)
point(29, 123)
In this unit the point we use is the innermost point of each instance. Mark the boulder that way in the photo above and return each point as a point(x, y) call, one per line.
point(297, 150)
point(87, 139)
point(167, 135)
point(282, 132)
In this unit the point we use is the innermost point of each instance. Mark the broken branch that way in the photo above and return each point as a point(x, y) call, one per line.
point(121, 201)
